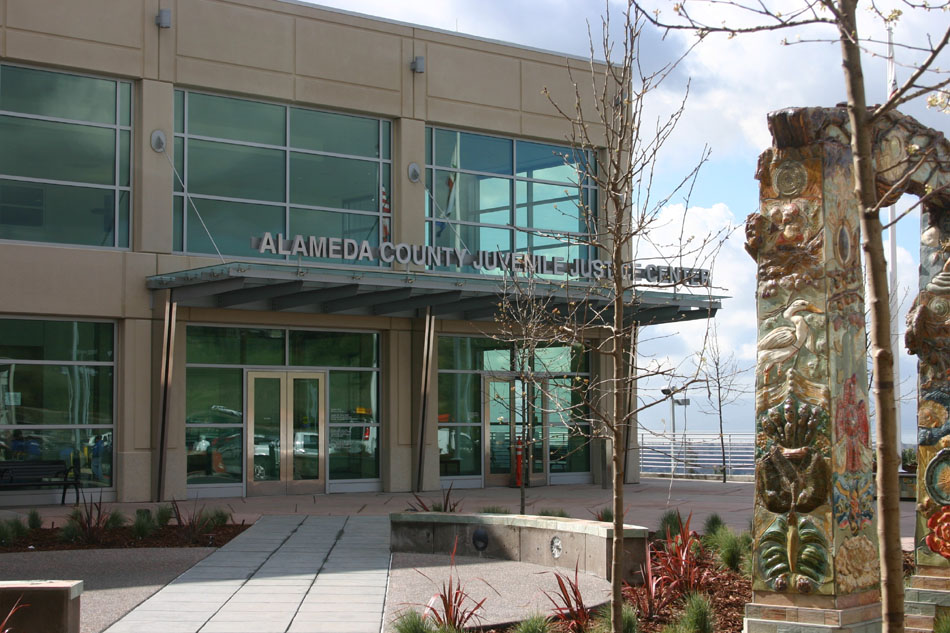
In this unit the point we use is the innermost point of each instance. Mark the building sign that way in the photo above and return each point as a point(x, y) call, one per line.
point(431, 256)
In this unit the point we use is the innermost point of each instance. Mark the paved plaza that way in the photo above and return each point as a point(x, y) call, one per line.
point(321, 563)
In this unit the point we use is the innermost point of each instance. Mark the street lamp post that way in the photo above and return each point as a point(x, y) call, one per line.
point(683, 402)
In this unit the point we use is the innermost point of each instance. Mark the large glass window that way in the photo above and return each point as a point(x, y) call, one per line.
point(479, 372)
point(250, 168)
point(490, 193)
point(216, 360)
point(65, 158)
point(57, 394)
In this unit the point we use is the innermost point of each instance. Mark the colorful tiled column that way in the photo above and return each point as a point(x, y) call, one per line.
point(815, 558)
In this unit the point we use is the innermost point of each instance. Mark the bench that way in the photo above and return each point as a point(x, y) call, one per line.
point(549, 541)
point(38, 473)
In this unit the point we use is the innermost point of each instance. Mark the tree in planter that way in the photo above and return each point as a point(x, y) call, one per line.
point(871, 190)
point(604, 315)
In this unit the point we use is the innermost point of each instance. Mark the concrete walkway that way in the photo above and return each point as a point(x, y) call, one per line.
point(285, 574)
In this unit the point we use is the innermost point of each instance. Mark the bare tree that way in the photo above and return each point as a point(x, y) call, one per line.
point(840, 15)
point(722, 377)
point(615, 145)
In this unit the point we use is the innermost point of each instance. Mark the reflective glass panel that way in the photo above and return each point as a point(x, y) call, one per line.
point(471, 198)
point(124, 217)
point(328, 224)
point(499, 426)
point(179, 163)
point(57, 95)
point(560, 359)
point(57, 151)
point(462, 352)
point(353, 397)
point(549, 207)
point(306, 427)
point(236, 119)
point(569, 448)
point(235, 171)
point(125, 104)
point(387, 136)
point(214, 396)
point(232, 224)
point(266, 412)
point(354, 452)
point(460, 398)
point(57, 213)
point(215, 454)
point(124, 159)
point(179, 112)
point(460, 451)
point(55, 394)
point(333, 349)
point(334, 133)
point(548, 162)
point(234, 346)
point(90, 449)
point(473, 152)
point(327, 181)
point(33, 339)
point(178, 228)
point(471, 237)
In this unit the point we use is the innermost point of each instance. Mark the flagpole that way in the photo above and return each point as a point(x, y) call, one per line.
point(892, 236)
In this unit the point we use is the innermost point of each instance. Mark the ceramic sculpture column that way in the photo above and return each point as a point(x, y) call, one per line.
point(928, 337)
point(815, 555)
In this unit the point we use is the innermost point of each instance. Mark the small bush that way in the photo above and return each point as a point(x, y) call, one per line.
point(34, 520)
point(698, 614)
point(410, 621)
point(5, 538)
point(728, 546)
point(712, 524)
point(605, 514)
point(670, 523)
point(17, 529)
point(942, 623)
point(116, 520)
point(163, 514)
point(535, 624)
point(220, 517)
point(494, 510)
point(70, 532)
point(554, 512)
point(628, 620)
point(144, 524)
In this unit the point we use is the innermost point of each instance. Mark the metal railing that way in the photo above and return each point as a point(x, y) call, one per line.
point(697, 455)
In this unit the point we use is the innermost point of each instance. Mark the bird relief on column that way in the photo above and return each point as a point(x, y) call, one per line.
point(792, 519)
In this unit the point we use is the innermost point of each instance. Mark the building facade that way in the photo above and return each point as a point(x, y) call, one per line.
point(253, 247)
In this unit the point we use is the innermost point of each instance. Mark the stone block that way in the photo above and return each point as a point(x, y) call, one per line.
point(412, 537)
point(53, 605)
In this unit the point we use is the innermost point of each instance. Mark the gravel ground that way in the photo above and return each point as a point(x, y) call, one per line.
point(512, 590)
point(114, 580)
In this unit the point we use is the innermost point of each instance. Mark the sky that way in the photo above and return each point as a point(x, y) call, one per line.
point(732, 84)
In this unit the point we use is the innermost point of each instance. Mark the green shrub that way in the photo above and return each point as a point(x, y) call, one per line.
point(116, 520)
point(410, 621)
point(144, 524)
point(494, 510)
point(537, 623)
point(17, 529)
point(728, 546)
point(554, 512)
point(698, 614)
point(628, 619)
point(5, 538)
point(34, 520)
point(220, 517)
point(70, 532)
point(163, 514)
point(669, 522)
point(605, 514)
point(712, 524)
point(942, 623)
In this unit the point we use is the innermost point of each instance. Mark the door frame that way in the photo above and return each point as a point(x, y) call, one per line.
point(286, 484)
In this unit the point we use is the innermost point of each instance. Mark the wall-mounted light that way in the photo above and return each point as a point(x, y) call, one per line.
point(414, 172)
point(418, 64)
point(158, 141)
point(164, 19)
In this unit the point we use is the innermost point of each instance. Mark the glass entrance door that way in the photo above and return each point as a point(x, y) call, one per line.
point(506, 408)
point(285, 433)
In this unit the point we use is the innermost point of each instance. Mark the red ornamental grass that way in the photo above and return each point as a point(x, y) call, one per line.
point(651, 598)
point(453, 608)
point(4, 626)
point(679, 567)
point(569, 608)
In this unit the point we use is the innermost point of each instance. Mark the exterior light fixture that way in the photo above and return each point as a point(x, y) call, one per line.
point(418, 64)
point(414, 172)
point(158, 141)
point(164, 19)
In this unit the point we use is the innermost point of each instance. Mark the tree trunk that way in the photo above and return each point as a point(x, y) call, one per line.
point(888, 506)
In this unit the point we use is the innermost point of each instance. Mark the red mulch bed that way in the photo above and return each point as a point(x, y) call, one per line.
point(169, 536)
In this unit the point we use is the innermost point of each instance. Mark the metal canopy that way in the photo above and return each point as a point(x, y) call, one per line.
point(283, 288)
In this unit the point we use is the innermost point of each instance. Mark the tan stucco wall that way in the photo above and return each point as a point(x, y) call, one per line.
point(268, 50)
